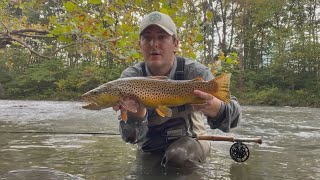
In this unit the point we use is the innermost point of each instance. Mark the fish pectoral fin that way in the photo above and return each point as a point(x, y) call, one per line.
point(164, 111)
point(124, 116)
point(130, 105)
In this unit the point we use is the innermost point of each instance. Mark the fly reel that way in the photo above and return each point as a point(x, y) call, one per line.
point(239, 152)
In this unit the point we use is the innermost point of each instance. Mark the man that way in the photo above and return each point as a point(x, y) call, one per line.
point(173, 136)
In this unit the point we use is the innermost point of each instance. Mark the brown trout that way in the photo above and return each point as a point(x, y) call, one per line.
point(157, 92)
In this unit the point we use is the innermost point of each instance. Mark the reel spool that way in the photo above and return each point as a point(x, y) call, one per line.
point(239, 152)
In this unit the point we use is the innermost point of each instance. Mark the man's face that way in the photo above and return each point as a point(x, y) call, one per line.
point(157, 47)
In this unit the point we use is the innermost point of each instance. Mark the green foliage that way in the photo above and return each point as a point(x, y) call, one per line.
point(34, 81)
point(225, 63)
point(51, 80)
point(86, 78)
point(272, 47)
point(266, 88)
point(4, 75)
point(277, 97)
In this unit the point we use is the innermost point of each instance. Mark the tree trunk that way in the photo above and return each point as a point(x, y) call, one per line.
point(2, 92)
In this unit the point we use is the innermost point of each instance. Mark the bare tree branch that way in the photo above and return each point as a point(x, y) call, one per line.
point(62, 47)
point(5, 27)
point(24, 33)
point(80, 7)
point(30, 49)
point(33, 36)
point(87, 41)
point(30, 30)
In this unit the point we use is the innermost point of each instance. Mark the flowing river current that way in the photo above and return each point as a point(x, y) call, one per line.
point(60, 140)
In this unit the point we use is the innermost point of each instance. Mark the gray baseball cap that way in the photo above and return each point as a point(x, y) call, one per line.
point(162, 20)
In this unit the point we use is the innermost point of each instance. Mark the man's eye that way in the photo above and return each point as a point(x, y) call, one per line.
point(162, 37)
point(147, 38)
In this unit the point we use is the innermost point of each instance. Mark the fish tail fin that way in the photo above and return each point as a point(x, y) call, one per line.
point(221, 87)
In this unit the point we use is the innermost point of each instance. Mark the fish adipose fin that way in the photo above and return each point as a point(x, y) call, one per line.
point(222, 87)
point(198, 79)
point(164, 111)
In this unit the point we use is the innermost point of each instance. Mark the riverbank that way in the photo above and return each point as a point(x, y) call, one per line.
point(277, 97)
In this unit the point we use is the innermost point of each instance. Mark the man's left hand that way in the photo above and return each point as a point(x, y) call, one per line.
point(211, 106)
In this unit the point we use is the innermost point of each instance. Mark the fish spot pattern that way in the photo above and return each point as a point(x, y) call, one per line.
point(155, 91)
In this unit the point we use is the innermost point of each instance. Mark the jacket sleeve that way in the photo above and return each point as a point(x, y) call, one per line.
point(228, 116)
point(133, 131)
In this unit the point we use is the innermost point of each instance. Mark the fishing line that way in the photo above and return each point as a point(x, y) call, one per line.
point(60, 132)
point(239, 152)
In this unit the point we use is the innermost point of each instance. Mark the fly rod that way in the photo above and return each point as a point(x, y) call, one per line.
point(229, 138)
point(239, 152)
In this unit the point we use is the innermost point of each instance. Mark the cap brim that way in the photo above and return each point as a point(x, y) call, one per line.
point(163, 27)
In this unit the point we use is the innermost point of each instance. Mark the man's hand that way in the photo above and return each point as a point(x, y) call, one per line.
point(211, 106)
point(130, 107)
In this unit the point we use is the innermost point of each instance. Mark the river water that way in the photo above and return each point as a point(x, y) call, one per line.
point(60, 140)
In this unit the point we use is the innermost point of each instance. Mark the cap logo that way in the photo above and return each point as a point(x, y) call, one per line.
point(155, 17)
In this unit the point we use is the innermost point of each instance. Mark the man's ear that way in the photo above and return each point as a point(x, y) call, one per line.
point(176, 43)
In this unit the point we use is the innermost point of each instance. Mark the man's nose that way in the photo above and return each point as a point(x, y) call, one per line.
point(154, 42)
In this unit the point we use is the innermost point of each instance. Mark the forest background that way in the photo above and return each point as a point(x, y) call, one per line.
point(57, 50)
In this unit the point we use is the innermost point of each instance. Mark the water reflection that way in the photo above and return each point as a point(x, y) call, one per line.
point(37, 173)
point(290, 149)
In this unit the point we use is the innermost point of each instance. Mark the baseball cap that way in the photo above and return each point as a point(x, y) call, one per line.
point(162, 20)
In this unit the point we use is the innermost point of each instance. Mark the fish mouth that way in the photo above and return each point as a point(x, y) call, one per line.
point(91, 102)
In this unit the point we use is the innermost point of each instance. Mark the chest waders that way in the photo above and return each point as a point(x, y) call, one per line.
point(159, 137)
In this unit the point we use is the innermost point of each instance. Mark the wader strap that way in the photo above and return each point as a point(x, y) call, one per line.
point(179, 75)
point(143, 68)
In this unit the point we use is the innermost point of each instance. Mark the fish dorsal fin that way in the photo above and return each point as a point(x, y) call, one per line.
point(198, 79)
point(158, 77)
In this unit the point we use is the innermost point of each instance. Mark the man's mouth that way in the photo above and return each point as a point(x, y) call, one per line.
point(154, 53)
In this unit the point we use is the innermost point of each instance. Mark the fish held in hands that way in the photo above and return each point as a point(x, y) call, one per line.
point(156, 92)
